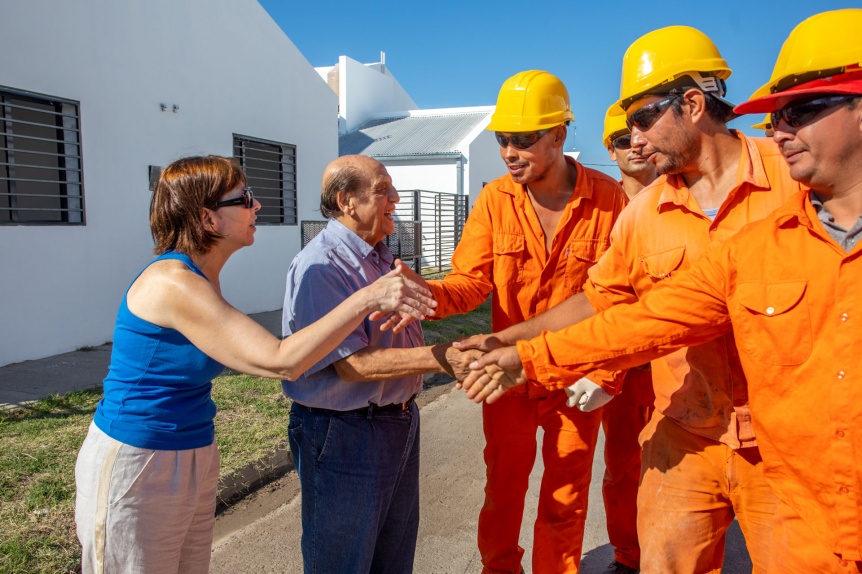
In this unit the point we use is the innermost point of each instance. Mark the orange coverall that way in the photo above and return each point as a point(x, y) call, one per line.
point(683, 515)
point(502, 250)
point(791, 296)
point(623, 419)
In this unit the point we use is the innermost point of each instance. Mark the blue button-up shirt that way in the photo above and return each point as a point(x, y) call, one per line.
point(334, 265)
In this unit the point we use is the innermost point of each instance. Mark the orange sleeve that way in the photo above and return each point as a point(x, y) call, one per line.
point(470, 282)
point(686, 310)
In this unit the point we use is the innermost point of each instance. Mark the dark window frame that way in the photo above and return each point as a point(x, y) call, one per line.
point(271, 168)
point(26, 190)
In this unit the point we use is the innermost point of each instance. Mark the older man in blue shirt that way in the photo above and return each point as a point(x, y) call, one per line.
point(354, 428)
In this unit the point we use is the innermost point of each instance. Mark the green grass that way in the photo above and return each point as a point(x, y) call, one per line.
point(39, 444)
point(457, 326)
point(251, 420)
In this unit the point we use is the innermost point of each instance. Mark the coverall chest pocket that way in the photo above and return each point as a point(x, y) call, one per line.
point(508, 257)
point(581, 255)
point(773, 322)
point(660, 264)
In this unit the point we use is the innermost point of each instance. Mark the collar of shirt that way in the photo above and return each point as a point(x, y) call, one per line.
point(846, 238)
point(583, 184)
point(750, 171)
point(356, 244)
point(817, 204)
point(799, 208)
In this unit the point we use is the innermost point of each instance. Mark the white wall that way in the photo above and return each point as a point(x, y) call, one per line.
point(229, 68)
point(429, 174)
point(484, 165)
point(365, 91)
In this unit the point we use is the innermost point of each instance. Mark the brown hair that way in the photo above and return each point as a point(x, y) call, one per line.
point(184, 188)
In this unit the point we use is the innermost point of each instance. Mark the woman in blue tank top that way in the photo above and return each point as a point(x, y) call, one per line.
point(147, 473)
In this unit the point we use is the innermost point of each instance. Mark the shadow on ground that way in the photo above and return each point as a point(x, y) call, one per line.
point(736, 560)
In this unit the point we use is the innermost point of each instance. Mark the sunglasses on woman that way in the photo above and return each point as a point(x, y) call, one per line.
point(644, 118)
point(798, 114)
point(246, 199)
point(522, 140)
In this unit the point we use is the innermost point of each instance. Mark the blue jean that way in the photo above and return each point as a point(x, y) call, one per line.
point(359, 474)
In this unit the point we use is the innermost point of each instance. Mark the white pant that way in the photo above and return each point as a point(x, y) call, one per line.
point(144, 511)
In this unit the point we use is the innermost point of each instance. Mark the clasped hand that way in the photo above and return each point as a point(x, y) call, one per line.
point(493, 374)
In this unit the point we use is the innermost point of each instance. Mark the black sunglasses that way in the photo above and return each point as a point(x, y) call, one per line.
point(798, 114)
point(622, 142)
point(522, 140)
point(645, 117)
point(246, 199)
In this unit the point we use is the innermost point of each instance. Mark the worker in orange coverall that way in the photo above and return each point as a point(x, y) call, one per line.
point(529, 240)
point(700, 464)
point(626, 416)
point(788, 287)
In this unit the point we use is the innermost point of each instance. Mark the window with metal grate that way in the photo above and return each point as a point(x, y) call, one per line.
point(41, 177)
point(271, 171)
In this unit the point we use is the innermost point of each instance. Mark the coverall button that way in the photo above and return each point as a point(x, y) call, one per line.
point(770, 310)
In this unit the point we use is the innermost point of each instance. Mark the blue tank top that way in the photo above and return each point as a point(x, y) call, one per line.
point(157, 392)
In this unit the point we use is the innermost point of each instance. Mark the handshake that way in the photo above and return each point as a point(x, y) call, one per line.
point(485, 369)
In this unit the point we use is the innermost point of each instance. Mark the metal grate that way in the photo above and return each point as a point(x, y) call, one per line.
point(440, 218)
point(41, 177)
point(406, 242)
point(271, 171)
point(310, 229)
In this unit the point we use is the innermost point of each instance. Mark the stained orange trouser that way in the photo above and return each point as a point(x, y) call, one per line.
point(796, 549)
point(569, 441)
point(691, 487)
point(622, 421)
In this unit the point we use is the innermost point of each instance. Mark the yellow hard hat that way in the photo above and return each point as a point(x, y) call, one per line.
point(666, 55)
point(766, 124)
point(823, 54)
point(531, 101)
point(615, 124)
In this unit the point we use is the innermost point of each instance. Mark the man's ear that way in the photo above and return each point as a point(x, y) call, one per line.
point(560, 134)
point(612, 153)
point(346, 203)
point(696, 101)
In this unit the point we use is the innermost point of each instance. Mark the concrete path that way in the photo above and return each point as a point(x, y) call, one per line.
point(451, 487)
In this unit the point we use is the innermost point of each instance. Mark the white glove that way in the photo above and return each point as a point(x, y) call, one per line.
point(587, 395)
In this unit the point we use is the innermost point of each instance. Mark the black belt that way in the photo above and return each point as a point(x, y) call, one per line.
point(370, 409)
point(373, 408)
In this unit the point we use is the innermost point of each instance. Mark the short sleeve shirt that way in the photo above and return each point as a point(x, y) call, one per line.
point(333, 266)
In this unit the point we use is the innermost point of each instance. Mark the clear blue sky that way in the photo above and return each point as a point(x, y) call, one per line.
point(452, 54)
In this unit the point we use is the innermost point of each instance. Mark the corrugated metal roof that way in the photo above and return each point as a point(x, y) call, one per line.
point(416, 135)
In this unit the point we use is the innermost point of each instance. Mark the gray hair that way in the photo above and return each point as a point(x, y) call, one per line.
point(348, 179)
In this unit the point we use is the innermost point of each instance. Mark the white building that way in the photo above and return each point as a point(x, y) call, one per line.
point(443, 150)
point(364, 90)
point(93, 93)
